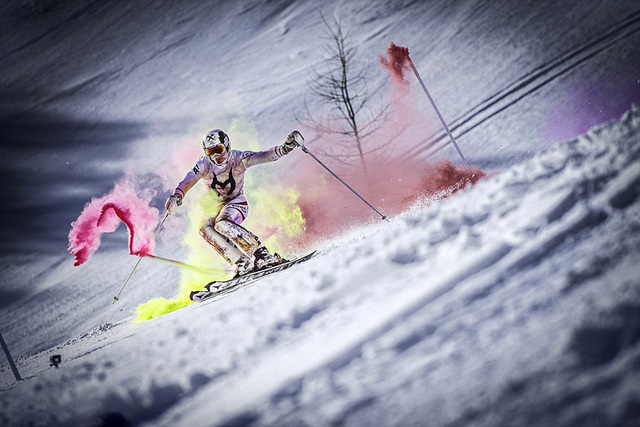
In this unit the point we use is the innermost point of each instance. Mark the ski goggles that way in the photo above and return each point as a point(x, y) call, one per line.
point(216, 149)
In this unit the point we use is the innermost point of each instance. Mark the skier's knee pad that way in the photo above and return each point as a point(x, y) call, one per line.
point(222, 244)
point(222, 226)
point(246, 240)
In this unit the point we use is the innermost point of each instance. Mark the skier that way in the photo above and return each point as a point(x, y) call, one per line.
point(222, 170)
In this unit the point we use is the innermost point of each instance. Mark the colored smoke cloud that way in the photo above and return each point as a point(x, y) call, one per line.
point(396, 62)
point(104, 214)
point(330, 209)
point(395, 180)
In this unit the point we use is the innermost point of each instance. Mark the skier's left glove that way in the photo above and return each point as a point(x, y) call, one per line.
point(290, 143)
point(172, 203)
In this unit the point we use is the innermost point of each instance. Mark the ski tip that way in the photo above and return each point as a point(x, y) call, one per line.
point(196, 295)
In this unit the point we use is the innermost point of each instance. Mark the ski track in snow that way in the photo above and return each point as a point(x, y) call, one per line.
point(394, 317)
point(528, 84)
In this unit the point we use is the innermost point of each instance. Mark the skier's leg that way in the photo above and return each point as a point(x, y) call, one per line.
point(225, 247)
point(228, 224)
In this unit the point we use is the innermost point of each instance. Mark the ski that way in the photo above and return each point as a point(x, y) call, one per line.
point(220, 287)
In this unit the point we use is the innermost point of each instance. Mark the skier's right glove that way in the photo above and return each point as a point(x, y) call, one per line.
point(172, 203)
point(290, 143)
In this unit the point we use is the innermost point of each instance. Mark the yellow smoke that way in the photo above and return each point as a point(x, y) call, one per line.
point(274, 216)
point(198, 209)
point(278, 218)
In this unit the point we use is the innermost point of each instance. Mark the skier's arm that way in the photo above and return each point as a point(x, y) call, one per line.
point(185, 185)
point(250, 158)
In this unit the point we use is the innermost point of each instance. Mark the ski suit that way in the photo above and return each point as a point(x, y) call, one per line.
point(224, 231)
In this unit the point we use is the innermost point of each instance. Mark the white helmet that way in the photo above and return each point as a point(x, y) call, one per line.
point(216, 142)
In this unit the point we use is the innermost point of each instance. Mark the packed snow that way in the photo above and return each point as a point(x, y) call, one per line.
point(514, 301)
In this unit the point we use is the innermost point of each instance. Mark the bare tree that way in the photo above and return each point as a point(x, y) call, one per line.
point(341, 85)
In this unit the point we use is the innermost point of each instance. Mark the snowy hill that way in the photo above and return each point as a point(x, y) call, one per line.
point(512, 302)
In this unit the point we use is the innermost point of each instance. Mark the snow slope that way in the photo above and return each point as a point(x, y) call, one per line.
point(514, 302)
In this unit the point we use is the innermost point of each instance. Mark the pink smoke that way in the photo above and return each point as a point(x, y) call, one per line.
point(330, 209)
point(396, 180)
point(103, 215)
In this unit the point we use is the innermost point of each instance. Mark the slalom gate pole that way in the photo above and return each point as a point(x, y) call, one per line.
point(435, 107)
point(10, 359)
point(300, 141)
point(185, 265)
point(117, 297)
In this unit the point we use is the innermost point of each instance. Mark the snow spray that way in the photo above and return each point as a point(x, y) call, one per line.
point(104, 214)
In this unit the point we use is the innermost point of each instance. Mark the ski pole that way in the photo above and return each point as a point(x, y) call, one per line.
point(435, 107)
point(117, 297)
point(300, 140)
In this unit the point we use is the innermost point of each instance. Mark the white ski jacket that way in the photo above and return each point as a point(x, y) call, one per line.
point(227, 180)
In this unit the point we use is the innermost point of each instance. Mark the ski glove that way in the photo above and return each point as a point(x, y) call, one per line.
point(290, 143)
point(172, 203)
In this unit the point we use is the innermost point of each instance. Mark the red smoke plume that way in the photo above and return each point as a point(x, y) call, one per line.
point(395, 179)
point(103, 215)
point(396, 62)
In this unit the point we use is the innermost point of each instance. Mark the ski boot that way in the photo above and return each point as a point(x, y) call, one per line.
point(243, 266)
point(263, 259)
